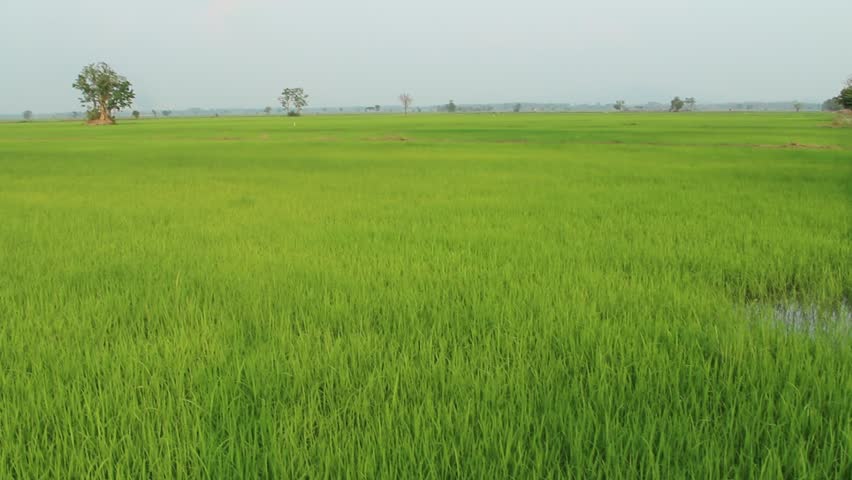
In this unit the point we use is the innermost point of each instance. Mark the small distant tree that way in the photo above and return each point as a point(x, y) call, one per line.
point(619, 105)
point(378, 108)
point(293, 100)
point(166, 113)
point(406, 100)
point(75, 115)
point(136, 114)
point(797, 105)
point(676, 105)
point(154, 112)
point(516, 108)
point(28, 115)
point(267, 110)
point(104, 91)
point(690, 103)
point(451, 107)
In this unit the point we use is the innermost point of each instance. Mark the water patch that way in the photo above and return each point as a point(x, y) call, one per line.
point(810, 318)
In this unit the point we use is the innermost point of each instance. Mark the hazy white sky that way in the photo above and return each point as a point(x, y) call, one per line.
point(241, 53)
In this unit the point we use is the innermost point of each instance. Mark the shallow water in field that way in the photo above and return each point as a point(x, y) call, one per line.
point(808, 317)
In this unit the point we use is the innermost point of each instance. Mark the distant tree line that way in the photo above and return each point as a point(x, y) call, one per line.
point(104, 93)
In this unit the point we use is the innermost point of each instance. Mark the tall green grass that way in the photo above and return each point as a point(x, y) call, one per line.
point(510, 296)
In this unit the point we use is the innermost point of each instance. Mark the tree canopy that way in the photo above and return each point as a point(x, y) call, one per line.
point(103, 92)
point(846, 97)
point(832, 104)
point(293, 100)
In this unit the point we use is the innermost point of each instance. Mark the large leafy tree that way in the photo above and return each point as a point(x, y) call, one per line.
point(846, 97)
point(104, 92)
point(677, 104)
point(843, 100)
point(832, 104)
point(293, 100)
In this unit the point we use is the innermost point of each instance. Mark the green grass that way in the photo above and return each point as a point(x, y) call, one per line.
point(471, 296)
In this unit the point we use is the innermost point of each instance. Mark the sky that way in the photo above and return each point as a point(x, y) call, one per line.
point(241, 53)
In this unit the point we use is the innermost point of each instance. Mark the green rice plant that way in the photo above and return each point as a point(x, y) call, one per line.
point(427, 296)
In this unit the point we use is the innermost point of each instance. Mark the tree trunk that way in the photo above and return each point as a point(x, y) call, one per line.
point(104, 117)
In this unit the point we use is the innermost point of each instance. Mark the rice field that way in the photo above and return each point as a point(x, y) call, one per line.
point(431, 296)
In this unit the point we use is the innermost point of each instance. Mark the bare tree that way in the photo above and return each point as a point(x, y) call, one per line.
point(406, 100)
